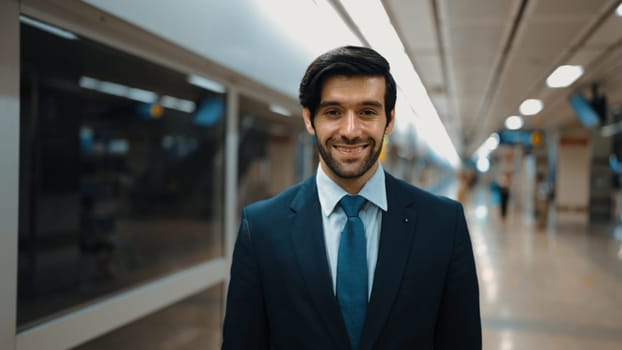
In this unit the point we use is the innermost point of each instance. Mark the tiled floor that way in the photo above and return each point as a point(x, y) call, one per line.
point(543, 289)
point(559, 287)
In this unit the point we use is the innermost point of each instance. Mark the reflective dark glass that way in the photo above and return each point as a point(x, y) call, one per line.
point(121, 173)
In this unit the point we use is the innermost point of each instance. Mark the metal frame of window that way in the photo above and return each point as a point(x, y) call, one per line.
point(9, 168)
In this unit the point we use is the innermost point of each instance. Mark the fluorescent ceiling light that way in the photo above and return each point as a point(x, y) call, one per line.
point(120, 90)
point(280, 110)
point(48, 28)
point(483, 165)
point(564, 76)
point(619, 11)
point(531, 106)
point(205, 83)
point(514, 122)
point(491, 144)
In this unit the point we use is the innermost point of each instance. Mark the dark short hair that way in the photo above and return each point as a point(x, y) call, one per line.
point(347, 61)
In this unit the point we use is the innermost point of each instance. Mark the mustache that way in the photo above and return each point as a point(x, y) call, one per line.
point(352, 141)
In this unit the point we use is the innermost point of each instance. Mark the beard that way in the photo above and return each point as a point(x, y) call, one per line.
point(338, 167)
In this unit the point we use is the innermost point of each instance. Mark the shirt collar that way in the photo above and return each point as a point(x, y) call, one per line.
point(330, 193)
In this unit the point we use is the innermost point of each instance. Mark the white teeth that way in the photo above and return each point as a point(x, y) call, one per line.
point(349, 149)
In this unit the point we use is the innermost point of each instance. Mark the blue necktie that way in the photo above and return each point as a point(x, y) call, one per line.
point(352, 269)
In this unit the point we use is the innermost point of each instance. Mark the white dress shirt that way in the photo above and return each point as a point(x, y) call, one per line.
point(334, 218)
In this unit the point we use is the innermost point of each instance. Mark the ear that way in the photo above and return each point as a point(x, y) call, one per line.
point(389, 128)
point(306, 114)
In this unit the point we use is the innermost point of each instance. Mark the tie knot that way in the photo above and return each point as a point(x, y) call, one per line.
point(352, 204)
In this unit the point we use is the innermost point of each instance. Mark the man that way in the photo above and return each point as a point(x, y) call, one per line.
point(352, 258)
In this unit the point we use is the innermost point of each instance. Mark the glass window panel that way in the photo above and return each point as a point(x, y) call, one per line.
point(268, 149)
point(121, 173)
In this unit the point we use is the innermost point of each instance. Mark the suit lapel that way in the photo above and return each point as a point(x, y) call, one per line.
point(395, 244)
point(310, 248)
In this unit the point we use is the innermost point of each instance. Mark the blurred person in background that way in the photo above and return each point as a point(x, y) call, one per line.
point(352, 258)
point(504, 182)
point(542, 200)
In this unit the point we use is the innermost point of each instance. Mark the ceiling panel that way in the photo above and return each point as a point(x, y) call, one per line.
point(512, 90)
point(477, 10)
point(419, 34)
point(441, 104)
point(474, 38)
point(471, 83)
point(585, 57)
point(548, 38)
point(608, 74)
point(483, 59)
point(609, 33)
point(430, 70)
point(556, 113)
point(558, 8)
point(468, 110)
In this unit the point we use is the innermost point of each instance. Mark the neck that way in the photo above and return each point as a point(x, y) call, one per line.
point(351, 185)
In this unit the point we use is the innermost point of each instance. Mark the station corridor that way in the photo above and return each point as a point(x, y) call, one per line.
point(133, 134)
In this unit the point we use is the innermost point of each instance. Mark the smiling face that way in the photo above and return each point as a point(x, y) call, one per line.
point(350, 124)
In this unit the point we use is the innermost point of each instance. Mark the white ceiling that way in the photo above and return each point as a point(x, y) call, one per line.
point(479, 59)
point(497, 53)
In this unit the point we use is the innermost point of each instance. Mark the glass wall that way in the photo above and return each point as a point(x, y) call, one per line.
point(270, 152)
point(121, 173)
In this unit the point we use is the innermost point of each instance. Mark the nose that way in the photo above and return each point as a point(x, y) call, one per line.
point(351, 127)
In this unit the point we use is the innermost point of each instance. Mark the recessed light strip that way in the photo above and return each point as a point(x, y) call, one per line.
point(280, 110)
point(178, 104)
point(48, 28)
point(136, 94)
point(205, 83)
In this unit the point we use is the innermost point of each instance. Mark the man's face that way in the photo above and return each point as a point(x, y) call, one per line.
point(350, 124)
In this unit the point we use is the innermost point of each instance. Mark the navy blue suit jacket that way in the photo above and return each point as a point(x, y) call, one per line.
point(424, 296)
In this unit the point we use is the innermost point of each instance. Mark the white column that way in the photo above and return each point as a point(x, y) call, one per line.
point(231, 183)
point(572, 183)
point(231, 173)
point(9, 168)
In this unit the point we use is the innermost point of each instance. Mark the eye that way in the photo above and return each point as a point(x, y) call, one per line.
point(369, 112)
point(332, 112)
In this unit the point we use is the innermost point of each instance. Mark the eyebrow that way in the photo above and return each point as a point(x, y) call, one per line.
point(337, 103)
